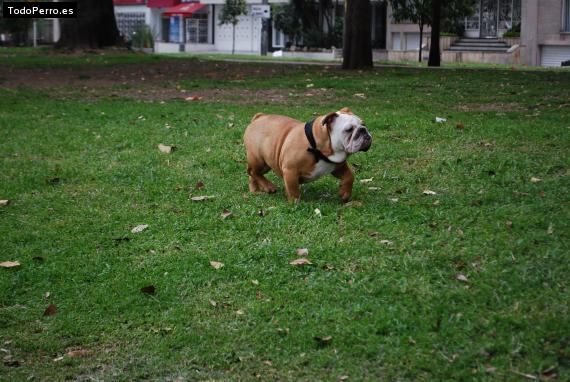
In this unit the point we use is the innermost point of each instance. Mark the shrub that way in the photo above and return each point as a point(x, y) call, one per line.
point(142, 37)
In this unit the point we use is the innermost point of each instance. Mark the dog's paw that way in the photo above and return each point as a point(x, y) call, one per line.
point(345, 197)
point(270, 188)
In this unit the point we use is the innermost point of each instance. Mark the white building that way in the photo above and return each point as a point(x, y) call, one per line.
point(192, 26)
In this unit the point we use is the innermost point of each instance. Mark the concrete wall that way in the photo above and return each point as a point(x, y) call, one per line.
point(166, 47)
point(541, 25)
point(482, 57)
point(327, 55)
point(247, 34)
point(402, 32)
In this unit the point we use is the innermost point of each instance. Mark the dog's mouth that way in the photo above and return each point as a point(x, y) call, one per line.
point(360, 140)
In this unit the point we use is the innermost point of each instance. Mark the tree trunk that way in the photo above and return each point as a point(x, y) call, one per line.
point(357, 45)
point(434, 53)
point(233, 38)
point(421, 40)
point(95, 26)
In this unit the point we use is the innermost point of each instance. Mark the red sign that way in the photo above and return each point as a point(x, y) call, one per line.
point(129, 2)
point(162, 3)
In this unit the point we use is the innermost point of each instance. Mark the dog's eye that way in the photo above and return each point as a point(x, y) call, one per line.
point(350, 129)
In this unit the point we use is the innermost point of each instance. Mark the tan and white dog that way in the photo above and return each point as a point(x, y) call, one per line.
point(302, 152)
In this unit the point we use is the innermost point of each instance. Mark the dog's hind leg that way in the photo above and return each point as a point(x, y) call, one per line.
point(256, 168)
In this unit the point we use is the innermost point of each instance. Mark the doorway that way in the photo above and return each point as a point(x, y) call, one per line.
point(489, 16)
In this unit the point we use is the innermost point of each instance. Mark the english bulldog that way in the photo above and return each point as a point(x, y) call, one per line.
point(302, 152)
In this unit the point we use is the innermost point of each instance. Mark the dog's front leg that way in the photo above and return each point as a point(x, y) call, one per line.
point(291, 178)
point(344, 173)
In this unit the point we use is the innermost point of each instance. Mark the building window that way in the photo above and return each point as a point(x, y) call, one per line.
point(278, 38)
point(197, 29)
point(396, 43)
point(509, 14)
point(472, 22)
point(128, 22)
point(566, 16)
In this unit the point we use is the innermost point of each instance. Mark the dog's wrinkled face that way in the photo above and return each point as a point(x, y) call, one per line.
point(348, 132)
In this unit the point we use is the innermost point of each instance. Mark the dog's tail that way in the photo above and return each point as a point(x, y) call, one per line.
point(256, 116)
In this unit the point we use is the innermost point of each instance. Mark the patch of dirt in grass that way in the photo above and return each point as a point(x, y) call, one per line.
point(161, 81)
point(230, 95)
point(510, 106)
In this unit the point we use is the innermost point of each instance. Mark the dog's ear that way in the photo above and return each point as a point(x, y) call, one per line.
point(346, 110)
point(329, 119)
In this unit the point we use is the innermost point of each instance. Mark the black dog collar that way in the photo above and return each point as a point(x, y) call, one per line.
point(313, 149)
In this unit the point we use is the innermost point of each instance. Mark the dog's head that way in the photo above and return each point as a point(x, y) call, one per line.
point(347, 131)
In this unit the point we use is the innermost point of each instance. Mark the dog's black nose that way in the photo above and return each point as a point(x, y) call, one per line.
point(367, 142)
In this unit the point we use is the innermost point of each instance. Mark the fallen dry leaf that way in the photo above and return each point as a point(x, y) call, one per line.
point(268, 363)
point(323, 341)
point(509, 224)
point(50, 310)
point(459, 125)
point(373, 233)
point(318, 212)
point(201, 198)
point(517, 193)
point(462, 278)
point(216, 264)
point(429, 192)
point(366, 180)
point(213, 303)
point(373, 188)
point(9, 264)
point(166, 149)
point(149, 289)
point(549, 373)
point(301, 261)
point(199, 185)
point(78, 353)
point(58, 359)
point(139, 228)
point(354, 203)
point(53, 181)
point(226, 214)
point(525, 375)
point(239, 312)
point(4, 202)
point(193, 98)
point(360, 95)
point(535, 180)
point(386, 242)
point(393, 200)
point(255, 282)
point(8, 361)
point(302, 252)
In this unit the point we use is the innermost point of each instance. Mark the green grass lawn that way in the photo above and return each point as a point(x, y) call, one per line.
point(473, 284)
